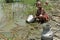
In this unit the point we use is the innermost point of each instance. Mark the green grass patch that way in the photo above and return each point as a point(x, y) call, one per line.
point(31, 2)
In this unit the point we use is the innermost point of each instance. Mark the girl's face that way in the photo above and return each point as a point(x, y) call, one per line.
point(38, 4)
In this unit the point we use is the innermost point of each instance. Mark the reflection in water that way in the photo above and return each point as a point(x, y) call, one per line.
point(2, 16)
point(18, 10)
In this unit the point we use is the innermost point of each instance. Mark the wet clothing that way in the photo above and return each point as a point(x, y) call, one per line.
point(38, 12)
point(43, 18)
point(46, 17)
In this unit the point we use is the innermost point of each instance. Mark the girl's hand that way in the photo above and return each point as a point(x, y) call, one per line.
point(40, 15)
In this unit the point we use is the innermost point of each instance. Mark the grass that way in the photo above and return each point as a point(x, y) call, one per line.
point(31, 2)
point(30, 10)
point(33, 9)
point(1, 1)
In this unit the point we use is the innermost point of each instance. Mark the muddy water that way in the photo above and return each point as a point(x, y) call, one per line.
point(12, 14)
point(2, 16)
point(19, 15)
point(15, 21)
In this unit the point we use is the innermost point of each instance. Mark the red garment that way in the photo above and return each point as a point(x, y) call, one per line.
point(46, 17)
